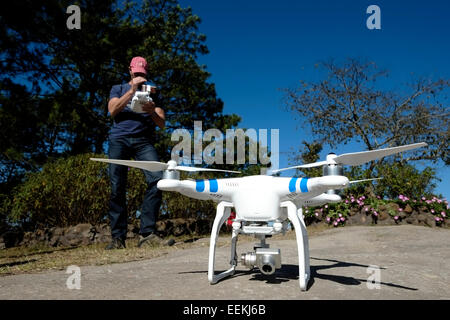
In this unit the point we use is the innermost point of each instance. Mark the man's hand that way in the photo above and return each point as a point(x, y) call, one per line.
point(149, 107)
point(136, 82)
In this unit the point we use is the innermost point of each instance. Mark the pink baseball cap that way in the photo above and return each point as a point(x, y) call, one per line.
point(138, 65)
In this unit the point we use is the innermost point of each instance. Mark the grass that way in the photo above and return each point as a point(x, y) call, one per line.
point(40, 258)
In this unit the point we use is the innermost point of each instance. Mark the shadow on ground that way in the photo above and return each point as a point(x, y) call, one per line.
point(289, 272)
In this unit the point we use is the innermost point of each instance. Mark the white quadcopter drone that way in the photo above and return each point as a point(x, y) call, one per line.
point(264, 204)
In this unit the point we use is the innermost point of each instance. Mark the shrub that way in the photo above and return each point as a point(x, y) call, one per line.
point(399, 178)
point(76, 190)
point(70, 191)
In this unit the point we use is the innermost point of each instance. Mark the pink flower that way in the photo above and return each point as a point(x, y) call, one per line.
point(342, 219)
point(317, 214)
point(367, 209)
point(400, 209)
point(375, 214)
point(443, 214)
point(432, 210)
point(340, 215)
point(346, 201)
point(335, 223)
point(326, 206)
point(328, 219)
point(423, 198)
point(396, 218)
point(437, 219)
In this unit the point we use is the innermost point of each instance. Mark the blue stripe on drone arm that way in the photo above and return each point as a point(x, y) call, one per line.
point(213, 186)
point(304, 185)
point(292, 184)
point(200, 185)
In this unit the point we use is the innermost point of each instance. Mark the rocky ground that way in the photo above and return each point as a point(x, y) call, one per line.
point(84, 234)
point(355, 262)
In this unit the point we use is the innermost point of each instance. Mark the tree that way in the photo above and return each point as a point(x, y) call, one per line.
point(309, 155)
point(349, 105)
point(55, 82)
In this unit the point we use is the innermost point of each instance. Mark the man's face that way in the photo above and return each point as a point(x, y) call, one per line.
point(137, 74)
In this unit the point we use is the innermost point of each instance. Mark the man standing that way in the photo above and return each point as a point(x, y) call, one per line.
point(132, 137)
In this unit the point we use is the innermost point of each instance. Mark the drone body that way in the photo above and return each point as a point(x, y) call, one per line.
point(255, 198)
point(264, 204)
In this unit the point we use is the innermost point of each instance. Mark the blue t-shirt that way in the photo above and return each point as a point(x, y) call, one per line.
point(127, 122)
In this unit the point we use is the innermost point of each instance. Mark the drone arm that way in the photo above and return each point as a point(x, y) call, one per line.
point(199, 189)
point(308, 187)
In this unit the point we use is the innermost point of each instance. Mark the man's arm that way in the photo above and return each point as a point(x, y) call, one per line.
point(157, 114)
point(115, 105)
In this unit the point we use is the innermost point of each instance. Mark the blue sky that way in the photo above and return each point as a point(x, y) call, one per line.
point(259, 47)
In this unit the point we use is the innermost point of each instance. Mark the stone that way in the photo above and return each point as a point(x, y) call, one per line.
point(413, 218)
point(429, 221)
point(392, 206)
point(383, 215)
point(12, 238)
point(359, 219)
point(408, 209)
point(422, 217)
point(353, 211)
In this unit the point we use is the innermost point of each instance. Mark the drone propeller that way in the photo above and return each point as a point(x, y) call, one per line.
point(158, 166)
point(356, 158)
point(364, 180)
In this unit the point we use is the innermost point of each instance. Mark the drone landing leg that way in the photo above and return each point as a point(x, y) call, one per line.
point(223, 212)
point(302, 244)
point(305, 243)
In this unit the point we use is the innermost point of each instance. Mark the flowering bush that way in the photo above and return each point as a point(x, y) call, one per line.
point(337, 214)
point(439, 208)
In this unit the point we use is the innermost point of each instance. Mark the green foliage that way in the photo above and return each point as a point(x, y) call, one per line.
point(65, 192)
point(405, 179)
point(76, 190)
point(176, 205)
point(310, 154)
point(71, 191)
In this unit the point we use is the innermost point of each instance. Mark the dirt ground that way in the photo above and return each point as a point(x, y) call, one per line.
point(412, 263)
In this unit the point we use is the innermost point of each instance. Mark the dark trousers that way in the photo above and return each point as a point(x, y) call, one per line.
point(141, 149)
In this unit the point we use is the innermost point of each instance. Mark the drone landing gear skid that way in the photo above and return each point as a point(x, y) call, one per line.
point(301, 235)
point(224, 211)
